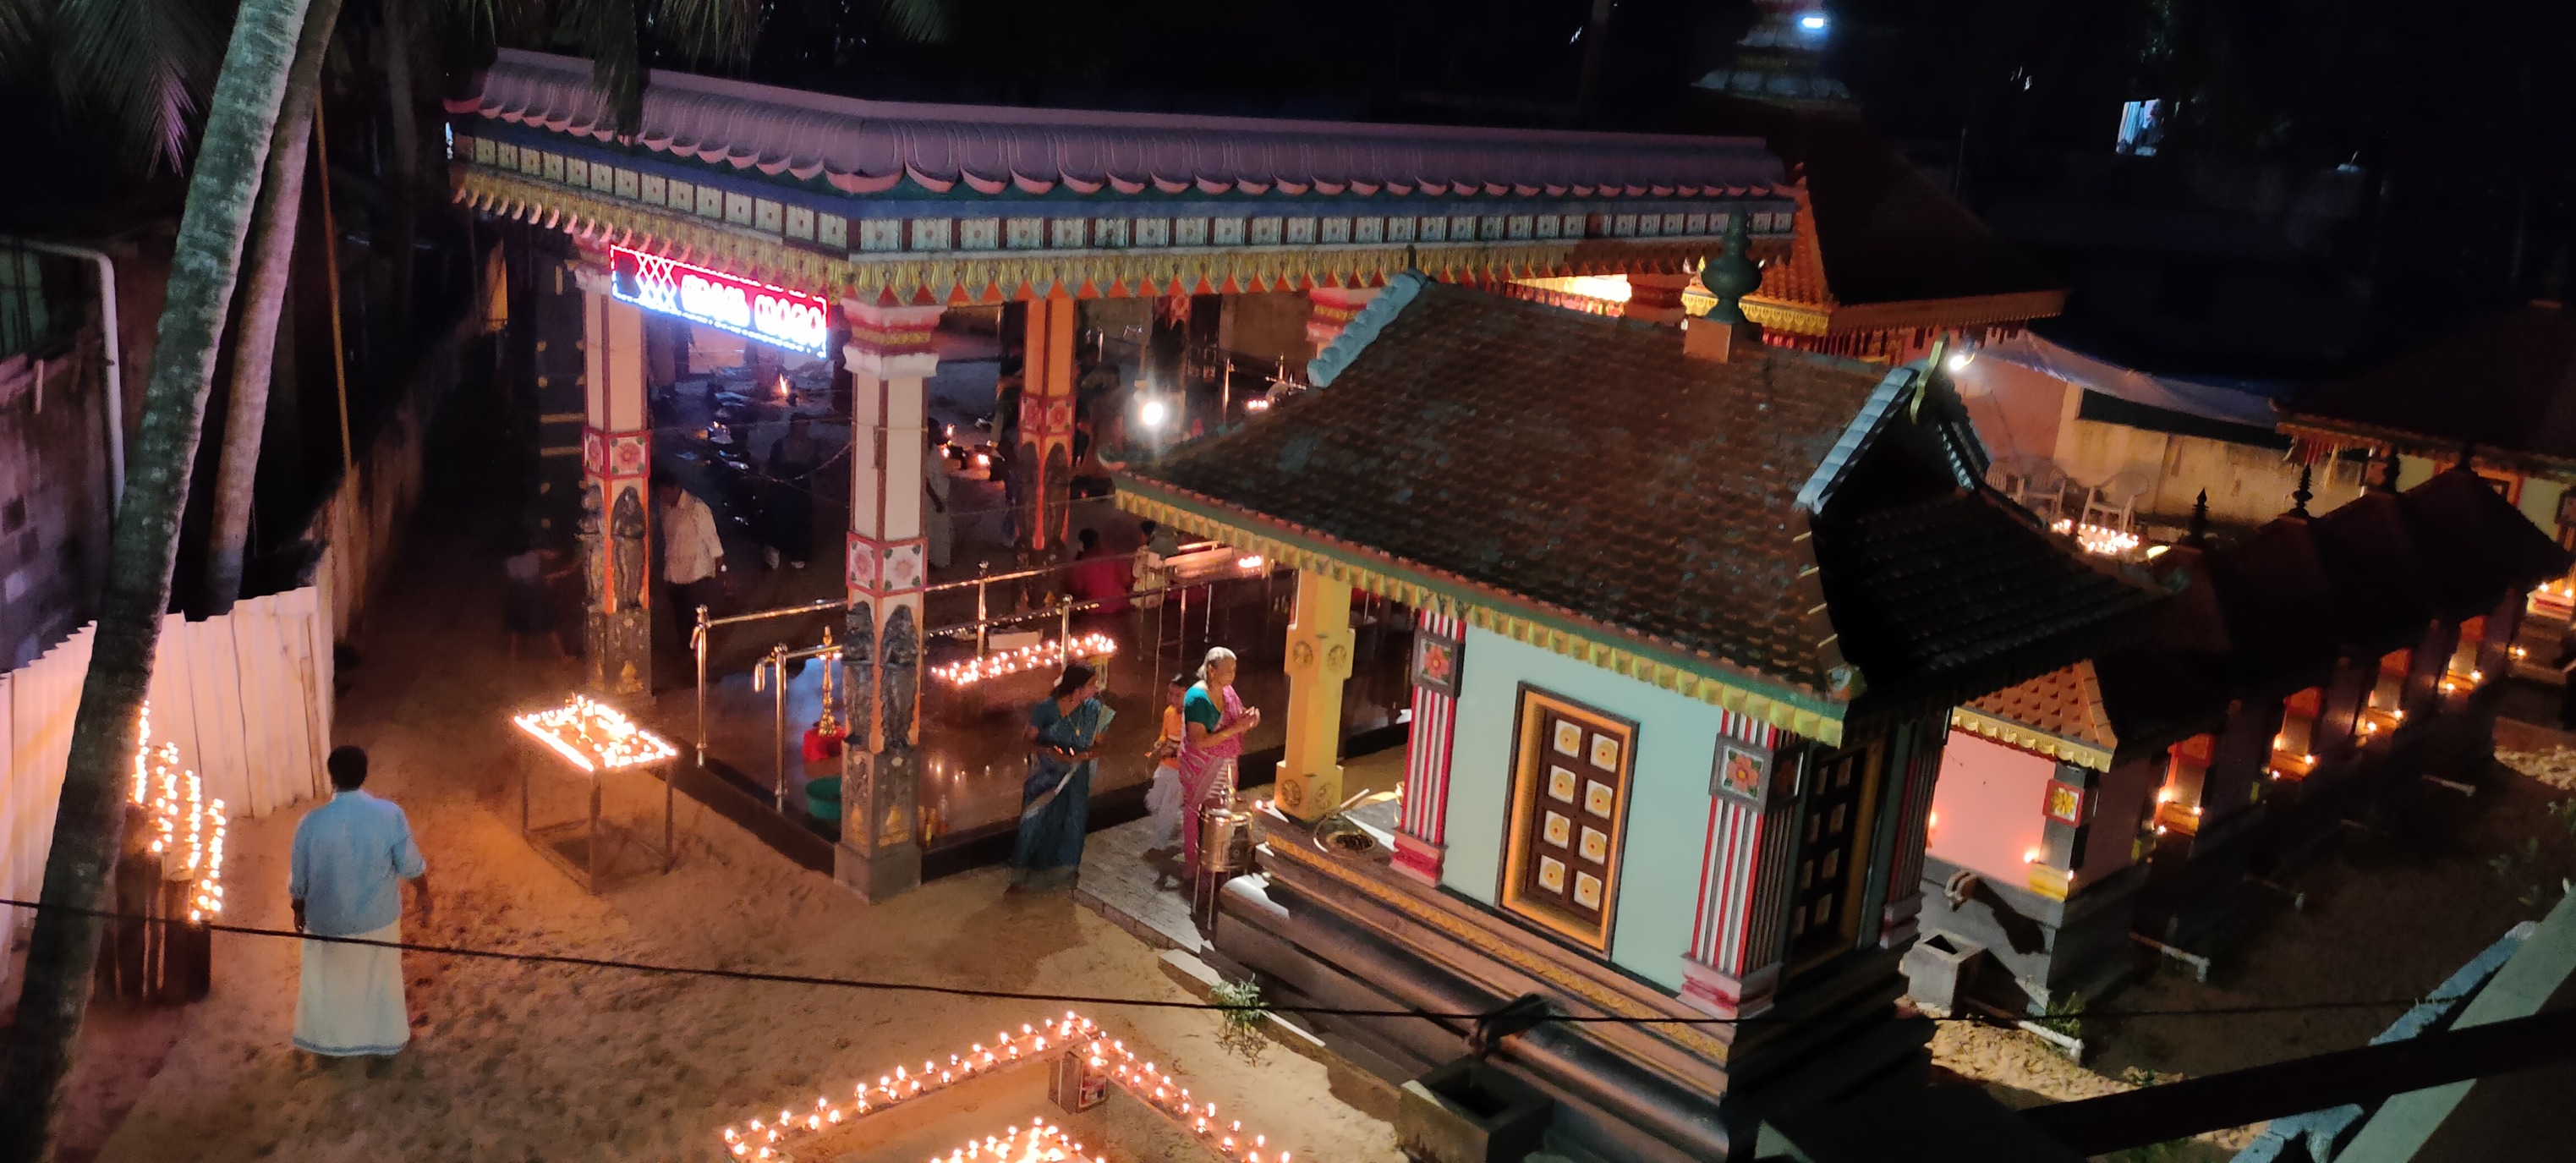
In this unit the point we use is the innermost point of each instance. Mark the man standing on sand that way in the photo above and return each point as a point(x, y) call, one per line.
point(349, 860)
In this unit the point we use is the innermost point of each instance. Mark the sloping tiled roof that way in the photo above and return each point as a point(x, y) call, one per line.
point(1587, 466)
point(2476, 546)
point(2507, 385)
point(866, 147)
point(2065, 705)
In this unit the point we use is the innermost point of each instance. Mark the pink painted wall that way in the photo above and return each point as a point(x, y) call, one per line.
point(1987, 808)
point(2121, 801)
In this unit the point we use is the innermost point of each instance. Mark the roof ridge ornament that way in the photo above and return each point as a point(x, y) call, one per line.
point(1364, 326)
point(2300, 496)
point(2197, 536)
point(2388, 471)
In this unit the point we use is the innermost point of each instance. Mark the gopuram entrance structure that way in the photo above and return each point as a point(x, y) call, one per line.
point(820, 224)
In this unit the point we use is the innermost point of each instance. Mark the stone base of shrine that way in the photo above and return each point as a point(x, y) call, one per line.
point(877, 876)
point(1357, 932)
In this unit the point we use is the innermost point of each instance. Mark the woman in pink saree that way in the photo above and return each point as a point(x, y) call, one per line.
point(1213, 720)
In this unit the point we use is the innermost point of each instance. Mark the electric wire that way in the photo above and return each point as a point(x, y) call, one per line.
point(1077, 999)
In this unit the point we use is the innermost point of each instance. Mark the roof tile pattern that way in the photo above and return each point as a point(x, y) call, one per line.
point(2508, 384)
point(2065, 702)
point(1588, 465)
point(867, 147)
point(1957, 586)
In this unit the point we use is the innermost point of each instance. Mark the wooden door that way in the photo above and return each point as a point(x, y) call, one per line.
point(1833, 842)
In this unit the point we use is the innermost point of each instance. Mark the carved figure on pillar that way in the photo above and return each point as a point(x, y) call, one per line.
point(594, 545)
point(900, 679)
point(626, 528)
point(859, 674)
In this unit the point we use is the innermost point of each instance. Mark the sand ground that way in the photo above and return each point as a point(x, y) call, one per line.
point(522, 1063)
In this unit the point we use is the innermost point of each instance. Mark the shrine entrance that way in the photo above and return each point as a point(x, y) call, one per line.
point(829, 237)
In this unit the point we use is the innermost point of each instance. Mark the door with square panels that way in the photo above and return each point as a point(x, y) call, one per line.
point(1833, 840)
point(1570, 799)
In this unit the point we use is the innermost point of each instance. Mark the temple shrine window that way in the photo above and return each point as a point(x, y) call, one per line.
point(2294, 749)
point(1569, 811)
point(1833, 839)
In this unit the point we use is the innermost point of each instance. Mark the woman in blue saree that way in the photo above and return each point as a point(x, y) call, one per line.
point(1055, 802)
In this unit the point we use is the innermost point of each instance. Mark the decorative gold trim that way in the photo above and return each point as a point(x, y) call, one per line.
point(1695, 684)
point(2053, 883)
point(2031, 739)
point(991, 276)
point(1491, 944)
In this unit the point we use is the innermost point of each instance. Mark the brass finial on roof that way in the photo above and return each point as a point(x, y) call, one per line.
point(1729, 275)
point(2300, 497)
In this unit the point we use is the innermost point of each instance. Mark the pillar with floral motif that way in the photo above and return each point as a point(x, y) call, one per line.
point(616, 521)
point(1422, 823)
point(890, 360)
point(1044, 459)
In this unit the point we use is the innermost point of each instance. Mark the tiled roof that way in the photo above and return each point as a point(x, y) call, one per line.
point(868, 147)
point(2507, 385)
point(1588, 466)
point(2065, 702)
point(2477, 547)
point(1962, 586)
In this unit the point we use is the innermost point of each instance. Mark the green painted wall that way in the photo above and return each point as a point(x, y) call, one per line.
point(2540, 503)
point(1667, 823)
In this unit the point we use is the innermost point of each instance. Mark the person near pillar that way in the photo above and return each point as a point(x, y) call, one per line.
point(1213, 723)
point(938, 530)
point(692, 552)
point(787, 514)
point(1099, 578)
point(1164, 799)
point(1063, 737)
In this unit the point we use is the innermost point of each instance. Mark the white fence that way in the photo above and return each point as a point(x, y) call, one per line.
point(246, 696)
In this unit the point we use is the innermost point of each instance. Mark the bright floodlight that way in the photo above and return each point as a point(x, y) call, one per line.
point(1812, 22)
point(1152, 413)
point(1958, 361)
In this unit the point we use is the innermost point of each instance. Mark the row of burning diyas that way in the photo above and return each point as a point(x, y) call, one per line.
point(970, 671)
point(1164, 1093)
point(593, 735)
point(176, 798)
point(760, 1140)
point(2100, 540)
point(1041, 1143)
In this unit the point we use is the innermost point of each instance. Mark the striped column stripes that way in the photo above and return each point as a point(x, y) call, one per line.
point(1424, 820)
point(1905, 874)
point(1737, 920)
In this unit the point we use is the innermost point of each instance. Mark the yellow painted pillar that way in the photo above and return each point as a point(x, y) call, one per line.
point(1319, 659)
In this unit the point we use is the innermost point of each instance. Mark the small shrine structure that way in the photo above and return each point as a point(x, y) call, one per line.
point(1694, 613)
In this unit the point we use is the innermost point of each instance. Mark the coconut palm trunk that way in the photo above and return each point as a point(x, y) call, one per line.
point(89, 826)
point(403, 104)
point(262, 301)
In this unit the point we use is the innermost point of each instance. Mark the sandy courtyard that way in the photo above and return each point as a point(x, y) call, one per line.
point(522, 1063)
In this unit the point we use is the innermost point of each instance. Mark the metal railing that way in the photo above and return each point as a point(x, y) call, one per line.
point(775, 661)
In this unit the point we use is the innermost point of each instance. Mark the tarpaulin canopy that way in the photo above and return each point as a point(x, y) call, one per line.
point(2246, 402)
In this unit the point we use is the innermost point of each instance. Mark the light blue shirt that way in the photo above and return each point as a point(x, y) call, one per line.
point(350, 858)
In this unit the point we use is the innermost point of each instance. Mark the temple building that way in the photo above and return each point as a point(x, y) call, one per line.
point(1693, 613)
point(2503, 392)
point(2323, 670)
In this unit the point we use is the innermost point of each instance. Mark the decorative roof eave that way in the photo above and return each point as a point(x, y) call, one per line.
point(993, 276)
point(2023, 737)
point(1363, 327)
point(1799, 318)
point(2335, 432)
point(1881, 406)
point(1795, 709)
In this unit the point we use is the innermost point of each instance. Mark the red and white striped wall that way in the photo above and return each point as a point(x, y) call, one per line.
point(1424, 821)
point(1735, 935)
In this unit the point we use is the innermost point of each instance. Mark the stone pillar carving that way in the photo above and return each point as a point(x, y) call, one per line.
point(889, 357)
point(1319, 659)
point(616, 520)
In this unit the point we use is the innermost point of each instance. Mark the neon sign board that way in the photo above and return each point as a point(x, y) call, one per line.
point(773, 315)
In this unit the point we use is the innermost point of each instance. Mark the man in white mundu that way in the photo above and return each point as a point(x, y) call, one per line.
point(346, 872)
